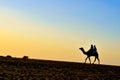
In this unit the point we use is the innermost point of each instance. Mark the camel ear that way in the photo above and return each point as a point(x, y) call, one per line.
point(80, 48)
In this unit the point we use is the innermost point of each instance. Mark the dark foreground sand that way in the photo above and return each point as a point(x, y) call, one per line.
point(29, 69)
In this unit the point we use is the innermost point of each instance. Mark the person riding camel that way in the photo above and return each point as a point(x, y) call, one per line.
point(94, 49)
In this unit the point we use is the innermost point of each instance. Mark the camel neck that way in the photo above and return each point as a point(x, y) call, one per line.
point(83, 51)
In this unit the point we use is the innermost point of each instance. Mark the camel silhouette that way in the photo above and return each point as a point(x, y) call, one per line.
point(91, 52)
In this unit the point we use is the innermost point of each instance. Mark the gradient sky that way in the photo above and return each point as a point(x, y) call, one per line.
point(55, 29)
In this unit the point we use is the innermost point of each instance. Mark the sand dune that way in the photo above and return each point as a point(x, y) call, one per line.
point(31, 69)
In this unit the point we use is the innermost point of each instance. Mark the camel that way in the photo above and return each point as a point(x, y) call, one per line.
point(91, 52)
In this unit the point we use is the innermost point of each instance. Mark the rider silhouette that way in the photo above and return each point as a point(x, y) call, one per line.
point(91, 49)
point(94, 49)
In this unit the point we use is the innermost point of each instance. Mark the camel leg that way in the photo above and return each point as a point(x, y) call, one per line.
point(89, 60)
point(94, 60)
point(86, 59)
point(98, 60)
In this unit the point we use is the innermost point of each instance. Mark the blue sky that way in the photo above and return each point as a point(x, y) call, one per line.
point(102, 13)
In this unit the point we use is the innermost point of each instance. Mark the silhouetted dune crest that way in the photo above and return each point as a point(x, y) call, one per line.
point(34, 69)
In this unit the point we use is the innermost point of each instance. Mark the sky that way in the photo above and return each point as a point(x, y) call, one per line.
point(56, 29)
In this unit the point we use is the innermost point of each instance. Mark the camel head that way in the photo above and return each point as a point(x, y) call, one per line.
point(81, 48)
